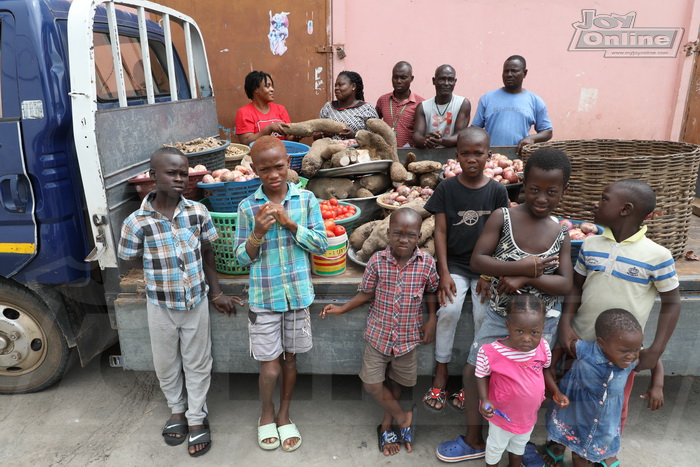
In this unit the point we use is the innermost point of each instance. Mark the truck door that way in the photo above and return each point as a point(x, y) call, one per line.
point(18, 241)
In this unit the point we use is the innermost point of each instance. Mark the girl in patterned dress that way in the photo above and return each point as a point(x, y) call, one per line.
point(595, 385)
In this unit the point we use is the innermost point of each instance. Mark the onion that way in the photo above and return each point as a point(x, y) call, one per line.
point(567, 223)
point(588, 228)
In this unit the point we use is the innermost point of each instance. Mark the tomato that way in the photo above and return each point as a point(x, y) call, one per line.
point(327, 214)
point(333, 202)
point(330, 233)
point(329, 224)
point(339, 230)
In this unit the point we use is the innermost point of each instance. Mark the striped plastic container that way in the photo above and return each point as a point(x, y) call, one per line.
point(334, 260)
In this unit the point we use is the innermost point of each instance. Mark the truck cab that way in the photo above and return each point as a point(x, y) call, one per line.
point(80, 114)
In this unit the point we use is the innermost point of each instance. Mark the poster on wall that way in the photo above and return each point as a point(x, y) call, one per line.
point(279, 31)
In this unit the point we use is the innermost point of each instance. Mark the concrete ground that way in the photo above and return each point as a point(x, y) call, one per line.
point(106, 416)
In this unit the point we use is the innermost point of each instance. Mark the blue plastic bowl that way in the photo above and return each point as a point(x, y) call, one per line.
point(296, 152)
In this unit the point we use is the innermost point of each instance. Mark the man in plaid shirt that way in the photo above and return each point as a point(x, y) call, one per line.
point(170, 238)
point(396, 278)
point(278, 226)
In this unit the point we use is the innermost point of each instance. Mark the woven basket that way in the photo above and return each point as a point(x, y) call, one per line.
point(670, 168)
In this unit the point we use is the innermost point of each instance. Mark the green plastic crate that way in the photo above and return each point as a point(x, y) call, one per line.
point(224, 248)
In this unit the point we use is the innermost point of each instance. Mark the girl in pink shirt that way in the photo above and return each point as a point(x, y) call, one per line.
point(511, 380)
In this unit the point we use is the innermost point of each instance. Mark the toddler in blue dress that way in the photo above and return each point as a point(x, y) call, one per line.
point(590, 426)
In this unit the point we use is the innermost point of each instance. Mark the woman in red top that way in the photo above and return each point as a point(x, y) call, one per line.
point(262, 116)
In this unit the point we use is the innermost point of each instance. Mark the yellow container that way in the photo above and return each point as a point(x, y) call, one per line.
point(334, 260)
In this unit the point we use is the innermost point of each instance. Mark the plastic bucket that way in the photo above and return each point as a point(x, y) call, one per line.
point(333, 261)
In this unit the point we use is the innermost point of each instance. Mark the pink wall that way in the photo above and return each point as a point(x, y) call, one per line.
point(588, 95)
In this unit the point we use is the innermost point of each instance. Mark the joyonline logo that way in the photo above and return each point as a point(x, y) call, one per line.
point(618, 38)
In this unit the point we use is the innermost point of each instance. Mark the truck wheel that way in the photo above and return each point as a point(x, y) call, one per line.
point(33, 351)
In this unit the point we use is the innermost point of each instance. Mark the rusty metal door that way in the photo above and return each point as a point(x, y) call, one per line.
point(286, 38)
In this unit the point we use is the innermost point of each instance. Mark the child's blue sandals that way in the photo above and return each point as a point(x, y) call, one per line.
point(385, 437)
point(408, 434)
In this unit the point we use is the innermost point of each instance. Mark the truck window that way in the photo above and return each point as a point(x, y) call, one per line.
point(134, 79)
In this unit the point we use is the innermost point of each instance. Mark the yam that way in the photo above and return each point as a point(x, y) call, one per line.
point(418, 204)
point(424, 167)
point(363, 155)
point(331, 149)
point(429, 180)
point(429, 246)
point(426, 230)
point(309, 127)
point(363, 193)
point(383, 151)
point(327, 188)
point(360, 234)
point(312, 161)
point(411, 179)
point(410, 157)
point(376, 184)
point(377, 240)
point(397, 172)
point(343, 158)
point(292, 176)
point(382, 128)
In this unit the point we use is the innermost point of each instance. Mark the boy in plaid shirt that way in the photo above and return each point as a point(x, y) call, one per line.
point(170, 237)
point(396, 278)
point(278, 226)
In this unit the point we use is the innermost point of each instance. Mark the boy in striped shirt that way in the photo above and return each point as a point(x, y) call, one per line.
point(622, 269)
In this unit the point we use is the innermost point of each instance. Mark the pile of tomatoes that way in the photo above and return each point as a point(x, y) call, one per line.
point(333, 230)
point(333, 210)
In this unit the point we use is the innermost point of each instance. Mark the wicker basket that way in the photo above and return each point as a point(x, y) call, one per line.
point(212, 159)
point(233, 160)
point(670, 168)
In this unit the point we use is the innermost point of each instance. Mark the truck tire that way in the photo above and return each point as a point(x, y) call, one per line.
point(34, 353)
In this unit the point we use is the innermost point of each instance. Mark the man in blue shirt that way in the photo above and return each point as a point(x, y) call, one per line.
point(509, 112)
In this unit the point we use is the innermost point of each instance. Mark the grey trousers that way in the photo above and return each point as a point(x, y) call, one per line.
point(181, 344)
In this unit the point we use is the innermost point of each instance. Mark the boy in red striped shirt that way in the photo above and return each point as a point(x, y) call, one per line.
point(396, 278)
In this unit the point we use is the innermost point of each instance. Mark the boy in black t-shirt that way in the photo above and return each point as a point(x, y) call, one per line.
point(461, 206)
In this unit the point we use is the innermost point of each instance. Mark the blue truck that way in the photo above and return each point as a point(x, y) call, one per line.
point(78, 119)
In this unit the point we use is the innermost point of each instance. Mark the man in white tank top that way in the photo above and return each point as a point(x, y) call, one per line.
point(438, 120)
